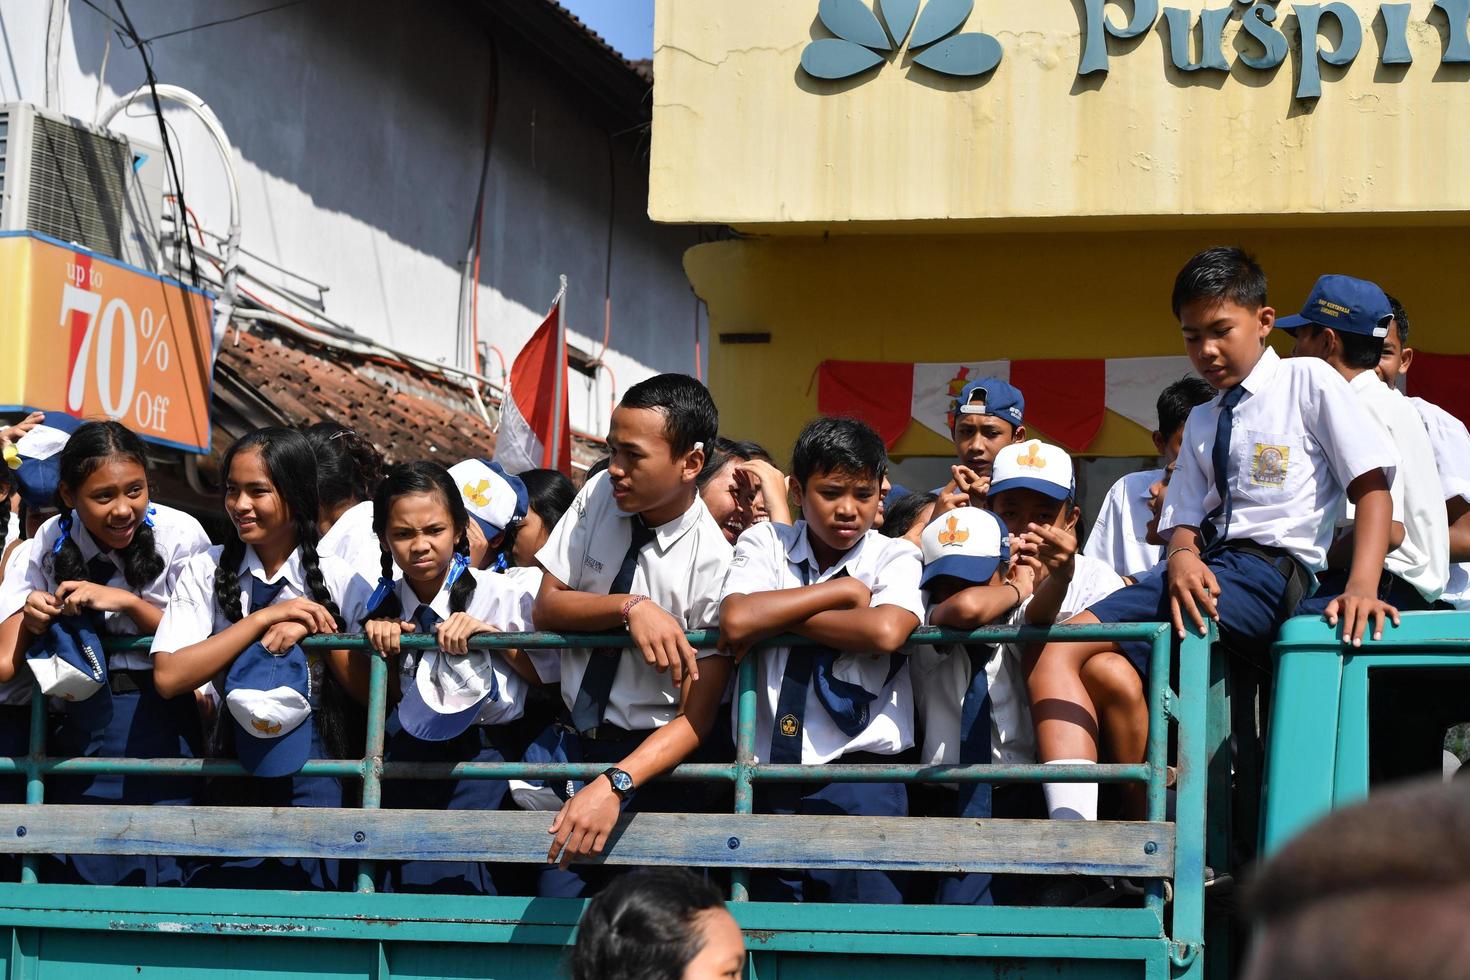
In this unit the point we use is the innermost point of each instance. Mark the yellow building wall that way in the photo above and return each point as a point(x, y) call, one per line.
point(1042, 295)
point(741, 135)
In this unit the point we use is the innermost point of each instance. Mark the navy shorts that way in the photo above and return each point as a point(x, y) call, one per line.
point(1391, 589)
point(1251, 594)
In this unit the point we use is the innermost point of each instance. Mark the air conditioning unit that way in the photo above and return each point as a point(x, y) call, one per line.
point(81, 184)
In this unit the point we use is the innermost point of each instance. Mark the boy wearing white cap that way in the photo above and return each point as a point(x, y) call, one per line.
point(1034, 494)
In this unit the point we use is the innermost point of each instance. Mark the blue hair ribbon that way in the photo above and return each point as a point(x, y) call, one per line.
point(148, 517)
point(385, 585)
point(501, 563)
point(456, 568)
point(65, 525)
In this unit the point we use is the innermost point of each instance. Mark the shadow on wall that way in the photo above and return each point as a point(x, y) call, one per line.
point(376, 110)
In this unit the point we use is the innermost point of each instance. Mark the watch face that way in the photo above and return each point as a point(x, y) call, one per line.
point(622, 782)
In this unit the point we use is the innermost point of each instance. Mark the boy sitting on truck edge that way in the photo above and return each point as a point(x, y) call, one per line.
point(1260, 465)
point(834, 579)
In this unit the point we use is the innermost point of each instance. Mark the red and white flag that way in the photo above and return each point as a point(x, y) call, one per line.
point(535, 431)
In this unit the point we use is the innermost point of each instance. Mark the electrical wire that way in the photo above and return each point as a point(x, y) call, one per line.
point(168, 151)
point(223, 20)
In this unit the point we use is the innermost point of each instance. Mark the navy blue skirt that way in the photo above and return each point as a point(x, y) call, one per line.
point(478, 743)
point(144, 726)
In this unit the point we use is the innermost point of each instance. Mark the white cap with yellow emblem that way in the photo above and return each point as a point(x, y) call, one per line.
point(1033, 465)
point(494, 498)
point(968, 543)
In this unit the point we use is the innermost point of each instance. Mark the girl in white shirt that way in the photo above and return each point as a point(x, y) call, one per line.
point(109, 558)
point(268, 586)
point(457, 704)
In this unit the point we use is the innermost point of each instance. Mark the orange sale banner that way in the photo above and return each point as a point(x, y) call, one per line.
point(87, 335)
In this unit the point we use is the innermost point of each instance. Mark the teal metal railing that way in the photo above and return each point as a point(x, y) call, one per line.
point(1184, 710)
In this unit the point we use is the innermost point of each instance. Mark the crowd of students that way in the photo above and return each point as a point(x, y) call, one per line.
point(1301, 485)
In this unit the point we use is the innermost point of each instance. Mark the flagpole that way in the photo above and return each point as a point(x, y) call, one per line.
point(561, 378)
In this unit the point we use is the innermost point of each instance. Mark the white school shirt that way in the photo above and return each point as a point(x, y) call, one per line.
point(178, 537)
point(680, 569)
point(352, 539)
point(194, 615)
point(1422, 559)
point(528, 580)
point(769, 557)
point(1451, 443)
point(941, 678)
point(1119, 536)
point(1299, 438)
point(12, 529)
point(17, 690)
point(495, 602)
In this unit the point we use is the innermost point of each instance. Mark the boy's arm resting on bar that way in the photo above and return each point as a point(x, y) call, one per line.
point(1359, 602)
point(582, 825)
point(878, 629)
point(748, 618)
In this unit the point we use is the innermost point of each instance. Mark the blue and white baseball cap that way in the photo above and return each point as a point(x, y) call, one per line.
point(446, 693)
point(1343, 303)
point(269, 700)
point(495, 499)
point(69, 663)
point(991, 396)
point(968, 543)
point(1033, 465)
point(37, 458)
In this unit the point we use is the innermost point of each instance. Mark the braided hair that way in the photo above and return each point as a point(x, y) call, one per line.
point(348, 467)
point(434, 480)
point(7, 487)
point(90, 446)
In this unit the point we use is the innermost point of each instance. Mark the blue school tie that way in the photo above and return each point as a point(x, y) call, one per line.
point(1220, 457)
point(812, 668)
point(425, 619)
point(263, 594)
point(975, 731)
point(602, 666)
point(100, 569)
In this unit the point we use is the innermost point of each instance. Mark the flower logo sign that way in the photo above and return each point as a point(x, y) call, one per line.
point(862, 41)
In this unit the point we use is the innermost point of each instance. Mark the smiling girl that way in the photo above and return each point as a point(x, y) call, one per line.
point(268, 586)
point(456, 702)
point(110, 558)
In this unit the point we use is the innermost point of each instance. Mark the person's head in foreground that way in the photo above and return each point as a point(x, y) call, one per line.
point(658, 924)
point(1379, 889)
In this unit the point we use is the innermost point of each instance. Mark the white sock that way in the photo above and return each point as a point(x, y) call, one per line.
point(1070, 801)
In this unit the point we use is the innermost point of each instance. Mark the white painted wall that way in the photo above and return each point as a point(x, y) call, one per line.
point(358, 130)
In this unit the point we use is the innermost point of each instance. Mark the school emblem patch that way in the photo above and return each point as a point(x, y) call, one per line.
point(479, 495)
point(1033, 458)
point(790, 726)
point(1269, 464)
point(953, 536)
point(265, 727)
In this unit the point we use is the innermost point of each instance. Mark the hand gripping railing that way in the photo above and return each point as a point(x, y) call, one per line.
point(1155, 849)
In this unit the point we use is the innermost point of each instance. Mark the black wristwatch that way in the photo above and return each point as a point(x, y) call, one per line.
point(622, 783)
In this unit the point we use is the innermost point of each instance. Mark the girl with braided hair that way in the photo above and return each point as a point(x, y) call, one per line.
point(348, 468)
point(107, 561)
point(267, 588)
point(456, 703)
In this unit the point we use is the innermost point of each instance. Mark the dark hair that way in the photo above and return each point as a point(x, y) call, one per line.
point(433, 479)
point(348, 467)
point(721, 451)
point(830, 445)
point(1179, 399)
point(93, 444)
point(1222, 273)
point(7, 487)
point(597, 467)
point(291, 465)
point(643, 926)
point(1358, 350)
point(899, 515)
point(550, 495)
point(1400, 319)
point(690, 415)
